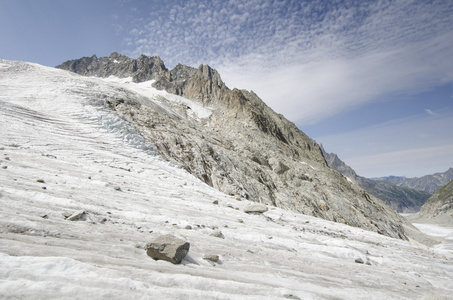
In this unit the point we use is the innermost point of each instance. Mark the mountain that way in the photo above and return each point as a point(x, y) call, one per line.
point(427, 183)
point(438, 208)
point(64, 151)
point(401, 199)
point(234, 142)
point(337, 164)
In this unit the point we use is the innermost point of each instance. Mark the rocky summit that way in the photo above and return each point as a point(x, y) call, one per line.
point(231, 140)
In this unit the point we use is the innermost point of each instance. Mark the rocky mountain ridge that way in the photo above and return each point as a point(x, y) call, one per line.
point(428, 183)
point(242, 147)
point(400, 198)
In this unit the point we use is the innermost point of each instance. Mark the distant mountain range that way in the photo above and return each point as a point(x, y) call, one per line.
point(427, 183)
point(402, 198)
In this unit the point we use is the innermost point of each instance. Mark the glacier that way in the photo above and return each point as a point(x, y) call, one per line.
point(62, 151)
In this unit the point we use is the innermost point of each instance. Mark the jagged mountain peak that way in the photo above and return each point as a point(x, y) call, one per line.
point(143, 68)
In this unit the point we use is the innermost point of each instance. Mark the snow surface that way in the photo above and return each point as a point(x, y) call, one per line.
point(146, 89)
point(440, 231)
point(61, 151)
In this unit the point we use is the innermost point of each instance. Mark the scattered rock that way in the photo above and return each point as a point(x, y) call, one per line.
point(40, 181)
point(255, 208)
point(240, 221)
point(76, 216)
point(5, 167)
point(168, 247)
point(289, 296)
point(44, 216)
point(117, 188)
point(359, 260)
point(215, 202)
point(211, 257)
point(188, 227)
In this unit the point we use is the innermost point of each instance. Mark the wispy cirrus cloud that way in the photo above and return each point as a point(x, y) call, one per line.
point(307, 59)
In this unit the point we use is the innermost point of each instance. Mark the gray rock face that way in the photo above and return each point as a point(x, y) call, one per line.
point(168, 247)
point(244, 148)
point(141, 69)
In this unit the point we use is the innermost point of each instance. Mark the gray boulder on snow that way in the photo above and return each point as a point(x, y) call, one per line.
point(168, 247)
point(76, 216)
point(255, 208)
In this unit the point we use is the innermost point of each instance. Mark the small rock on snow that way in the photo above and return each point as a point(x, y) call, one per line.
point(211, 257)
point(255, 208)
point(76, 216)
point(359, 260)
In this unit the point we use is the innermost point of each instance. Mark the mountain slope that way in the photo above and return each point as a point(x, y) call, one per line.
point(427, 183)
point(438, 208)
point(62, 150)
point(402, 199)
point(239, 145)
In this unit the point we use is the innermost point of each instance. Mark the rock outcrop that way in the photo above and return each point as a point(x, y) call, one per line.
point(243, 147)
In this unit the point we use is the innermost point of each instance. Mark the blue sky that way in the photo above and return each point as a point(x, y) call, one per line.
point(370, 80)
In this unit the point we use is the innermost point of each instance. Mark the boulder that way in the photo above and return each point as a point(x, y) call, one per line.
point(359, 260)
point(211, 257)
point(255, 208)
point(168, 247)
point(76, 216)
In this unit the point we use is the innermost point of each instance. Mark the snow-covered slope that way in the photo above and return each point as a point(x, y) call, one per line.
point(61, 152)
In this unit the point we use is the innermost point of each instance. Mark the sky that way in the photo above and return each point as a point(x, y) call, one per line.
point(370, 80)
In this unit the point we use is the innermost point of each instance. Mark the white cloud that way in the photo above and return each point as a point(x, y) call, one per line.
point(429, 112)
